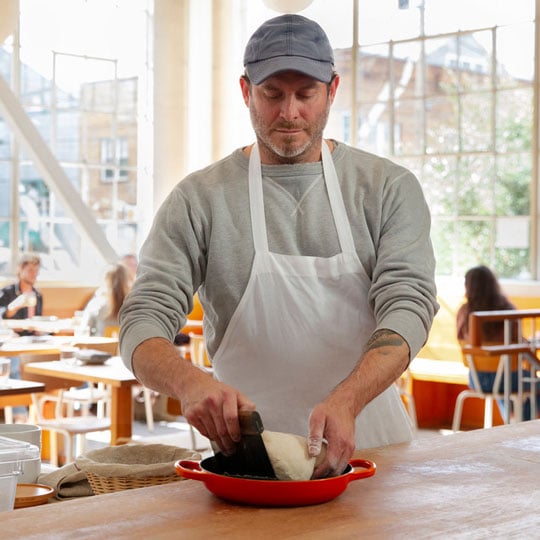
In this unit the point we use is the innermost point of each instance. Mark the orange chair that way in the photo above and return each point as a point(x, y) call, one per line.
point(196, 317)
point(481, 362)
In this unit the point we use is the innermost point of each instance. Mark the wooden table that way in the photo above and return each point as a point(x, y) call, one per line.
point(18, 346)
point(46, 325)
point(15, 390)
point(59, 374)
point(479, 484)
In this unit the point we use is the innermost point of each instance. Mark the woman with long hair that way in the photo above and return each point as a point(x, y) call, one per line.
point(102, 310)
point(483, 293)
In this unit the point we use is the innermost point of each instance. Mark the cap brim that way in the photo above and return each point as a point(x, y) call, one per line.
point(260, 71)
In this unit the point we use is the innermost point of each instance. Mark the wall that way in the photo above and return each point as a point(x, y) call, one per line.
point(62, 299)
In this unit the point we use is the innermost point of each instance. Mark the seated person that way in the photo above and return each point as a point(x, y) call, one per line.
point(21, 300)
point(102, 310)
point(483, 293)
point(131, 261)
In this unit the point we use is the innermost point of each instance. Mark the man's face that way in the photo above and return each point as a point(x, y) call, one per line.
point(28, 273)
point(289, 113)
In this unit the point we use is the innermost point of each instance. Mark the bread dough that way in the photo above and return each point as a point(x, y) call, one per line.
point(289, 456)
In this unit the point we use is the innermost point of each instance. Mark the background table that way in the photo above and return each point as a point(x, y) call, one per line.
point(18, 392)
point(46, 325)
point(17, 346)
point(59, 374)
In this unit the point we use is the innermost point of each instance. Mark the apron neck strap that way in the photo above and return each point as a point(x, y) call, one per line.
point(256, 201)
point(343, 227)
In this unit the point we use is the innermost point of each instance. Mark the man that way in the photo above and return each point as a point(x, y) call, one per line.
point(316, 277)
point(21, 300)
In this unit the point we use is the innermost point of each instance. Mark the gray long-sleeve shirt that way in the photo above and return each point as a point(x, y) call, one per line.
point(201, 239)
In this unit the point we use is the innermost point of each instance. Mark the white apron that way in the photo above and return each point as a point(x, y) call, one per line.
point(301, 326)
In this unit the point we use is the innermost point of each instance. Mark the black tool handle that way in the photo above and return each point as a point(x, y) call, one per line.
point(250, 423)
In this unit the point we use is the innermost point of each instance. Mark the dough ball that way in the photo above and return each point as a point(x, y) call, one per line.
point(289, 456)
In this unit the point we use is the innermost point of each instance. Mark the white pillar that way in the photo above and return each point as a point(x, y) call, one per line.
point(9, 15)
point(171, 96)
point(225, 73)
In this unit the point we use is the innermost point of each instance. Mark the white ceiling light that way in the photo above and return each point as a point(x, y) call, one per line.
point(287, 6)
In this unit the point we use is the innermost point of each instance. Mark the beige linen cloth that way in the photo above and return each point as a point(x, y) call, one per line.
point(131, 460)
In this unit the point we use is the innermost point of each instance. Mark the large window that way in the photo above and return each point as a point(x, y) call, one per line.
point(445, 88)
point(75, 67)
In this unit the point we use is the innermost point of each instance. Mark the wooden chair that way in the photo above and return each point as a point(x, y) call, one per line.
point(404, 386)
point(93, 394)
point(73, 428)
point(519, 327)
point(489, 358)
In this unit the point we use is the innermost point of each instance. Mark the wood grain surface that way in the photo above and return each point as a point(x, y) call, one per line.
point(479, 484)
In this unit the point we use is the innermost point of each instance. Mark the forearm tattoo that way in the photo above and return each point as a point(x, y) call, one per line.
point(384, 338)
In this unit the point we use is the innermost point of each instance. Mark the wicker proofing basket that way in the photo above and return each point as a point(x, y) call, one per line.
point(110, 484)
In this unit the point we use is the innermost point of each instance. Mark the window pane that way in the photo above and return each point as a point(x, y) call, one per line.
point(443, 239)
point(475, 58)
point(68, 132)
point(475, 191)
point(5, 189)
point(373, 73)
point(512, 263)
point(409, 130)
point(373, 132)
point(476, 122)
point(515, 120)
point(472, 247)
point(439, 182)
point(442, 66)
point(442, 125)
point(5, 140)
point(407, 72)
point(515, 63)
point(5, 62)
point(512, 188)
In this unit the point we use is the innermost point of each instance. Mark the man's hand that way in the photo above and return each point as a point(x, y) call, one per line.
point(208, 405)
point(331, 423)
point(212, 407)
point(22, 301)
point(385, 357)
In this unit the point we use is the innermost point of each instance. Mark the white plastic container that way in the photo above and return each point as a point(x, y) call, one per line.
point(17, 460)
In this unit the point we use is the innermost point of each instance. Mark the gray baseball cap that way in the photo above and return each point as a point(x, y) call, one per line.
point(289, 43)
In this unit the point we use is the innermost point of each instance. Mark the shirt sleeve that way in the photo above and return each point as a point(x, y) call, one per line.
point(403, 292)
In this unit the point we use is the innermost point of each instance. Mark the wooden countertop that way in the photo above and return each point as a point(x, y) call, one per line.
point(479, 484)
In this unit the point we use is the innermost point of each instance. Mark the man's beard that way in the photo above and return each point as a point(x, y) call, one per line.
point(288, 151)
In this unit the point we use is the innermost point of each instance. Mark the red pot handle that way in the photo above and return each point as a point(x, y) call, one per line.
point(190, 469)
point(366, 469)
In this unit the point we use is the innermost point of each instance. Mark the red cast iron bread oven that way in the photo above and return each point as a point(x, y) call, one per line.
point(268, 492)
